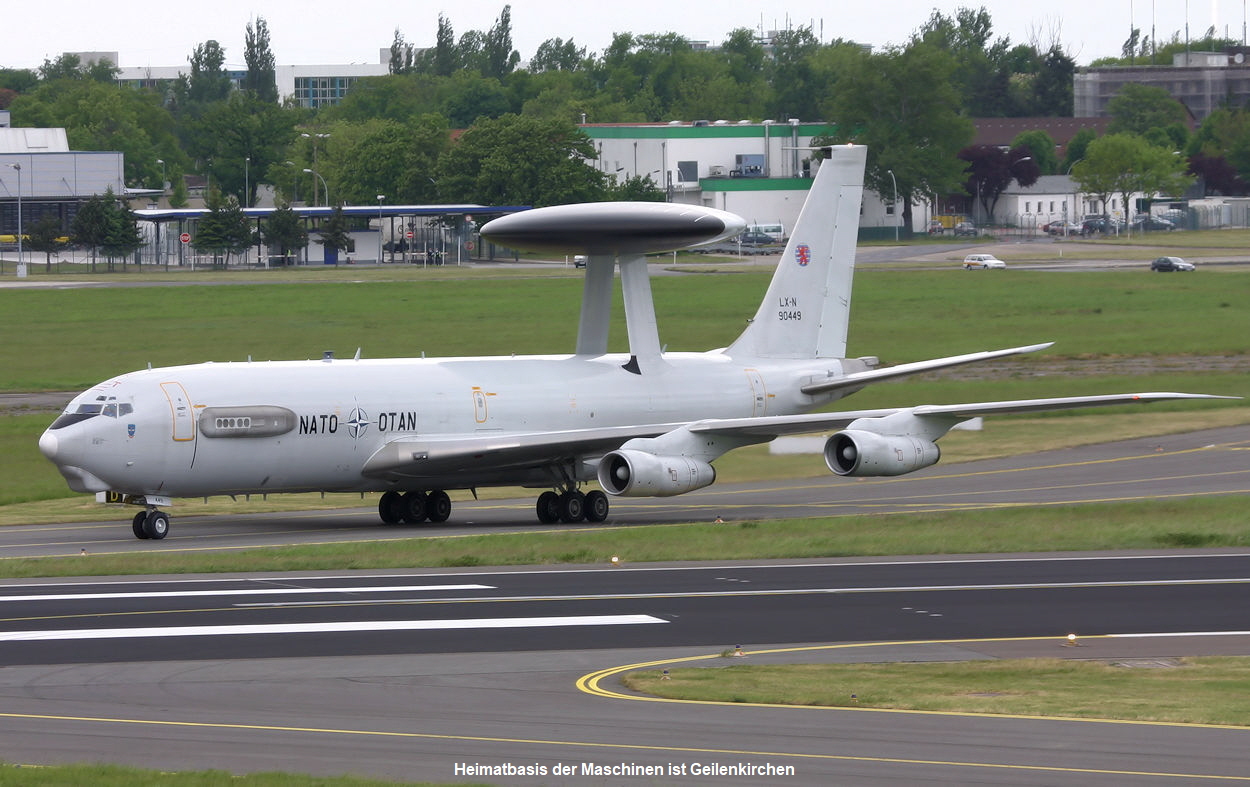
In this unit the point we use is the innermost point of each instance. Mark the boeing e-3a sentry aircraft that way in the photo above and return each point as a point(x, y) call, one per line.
point(645, 423)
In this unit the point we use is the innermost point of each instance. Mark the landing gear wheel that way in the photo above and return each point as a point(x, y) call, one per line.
point(414, 507)
point(572, 507)
point(596, 506)
point(548, 508)
point(391, 508)
point(156, 525)
point(136, 524)
point(438, 506)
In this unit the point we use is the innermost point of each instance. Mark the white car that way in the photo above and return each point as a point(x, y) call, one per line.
point(982, 262)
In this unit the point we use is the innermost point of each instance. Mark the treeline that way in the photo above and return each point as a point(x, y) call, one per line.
point(393, 135)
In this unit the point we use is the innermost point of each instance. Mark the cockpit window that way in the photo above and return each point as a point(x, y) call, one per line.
point(83, 412)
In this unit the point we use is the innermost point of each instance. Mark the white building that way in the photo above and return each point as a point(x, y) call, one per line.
point(53, 179)
point(310, 86)
point(760, 171)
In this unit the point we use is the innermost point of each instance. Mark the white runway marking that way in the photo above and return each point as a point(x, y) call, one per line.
point(359, 589)
point(329, 628)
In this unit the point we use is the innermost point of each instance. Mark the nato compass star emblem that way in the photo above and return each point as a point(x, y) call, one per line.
point(802, 254)
point(357, 423)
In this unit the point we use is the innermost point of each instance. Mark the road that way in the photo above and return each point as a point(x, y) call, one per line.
point(1212, 462)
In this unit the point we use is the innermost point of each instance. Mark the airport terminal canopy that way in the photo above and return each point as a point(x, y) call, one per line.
point(163, 215)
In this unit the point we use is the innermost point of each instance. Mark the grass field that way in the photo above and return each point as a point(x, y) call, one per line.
point(1211, 690)
point(73, 338)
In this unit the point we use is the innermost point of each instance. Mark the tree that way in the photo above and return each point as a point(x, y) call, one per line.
point(224, 230)
point(1225, 134)
point(498, 55)
point(636, 188)
point(91, 224)
point(902, 105)
point(239, 140)
point(1137, 109)
point(556, 54)
point(1126, 164)
point(333, 232)
point(284, 231)
point(445, 59)
point(208, 81)
point(992, 169)
point(46, 236)
point(1052, 88)
point(122, 237)
point(1041, 147)
point(386, 157)
point(518, 160)
point(260, 80)
point(1077, 147)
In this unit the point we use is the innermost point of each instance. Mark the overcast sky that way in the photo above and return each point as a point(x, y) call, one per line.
point(352, 31)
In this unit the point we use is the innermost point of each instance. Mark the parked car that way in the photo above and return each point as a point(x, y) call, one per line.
point(755, 239)
point(1063, 228)
point(936, 227)
point(982, 262)
point(1152, 224)
point(965, 228)
point(1101, 225)
point(1168, 264)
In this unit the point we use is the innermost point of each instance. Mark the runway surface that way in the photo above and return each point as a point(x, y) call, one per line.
point(512, 677)
point(1212, 462)
point(414, 675)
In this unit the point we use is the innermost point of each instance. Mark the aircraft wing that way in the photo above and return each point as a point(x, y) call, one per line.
point(490, 452)
point(775, 426)
point(860, 379)
point(485, 454)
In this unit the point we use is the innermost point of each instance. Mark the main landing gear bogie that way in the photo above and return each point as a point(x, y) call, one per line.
point(413, 508)
point(572, 506)
point(151, 524)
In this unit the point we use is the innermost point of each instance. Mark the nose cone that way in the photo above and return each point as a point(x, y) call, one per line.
point(49, 445)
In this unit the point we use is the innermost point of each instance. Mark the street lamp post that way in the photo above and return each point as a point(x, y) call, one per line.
point(315, 138)
point(21, 270)
point(323, 184)
point(895, 182)
point(247, 182)
point(380, 198)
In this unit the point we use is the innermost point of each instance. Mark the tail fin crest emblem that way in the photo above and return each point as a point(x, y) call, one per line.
point(803, 254)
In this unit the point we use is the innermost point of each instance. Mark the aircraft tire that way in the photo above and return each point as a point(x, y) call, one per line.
point(156, 525)
point(438, 506)
point(596, 506)
point(572, 507)
point(391, 508)
point(136, 524)
point(415, 507)
point(548, 508)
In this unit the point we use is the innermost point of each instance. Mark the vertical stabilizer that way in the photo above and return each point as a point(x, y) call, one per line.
point(807, 307)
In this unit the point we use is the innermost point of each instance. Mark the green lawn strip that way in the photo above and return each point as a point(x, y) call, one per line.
point(74, 338)
point(1207, 690)
point(1151, 524)
point(99, 775)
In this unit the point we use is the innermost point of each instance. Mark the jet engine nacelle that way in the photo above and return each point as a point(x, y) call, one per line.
point(857, 453)
point(630, 473)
